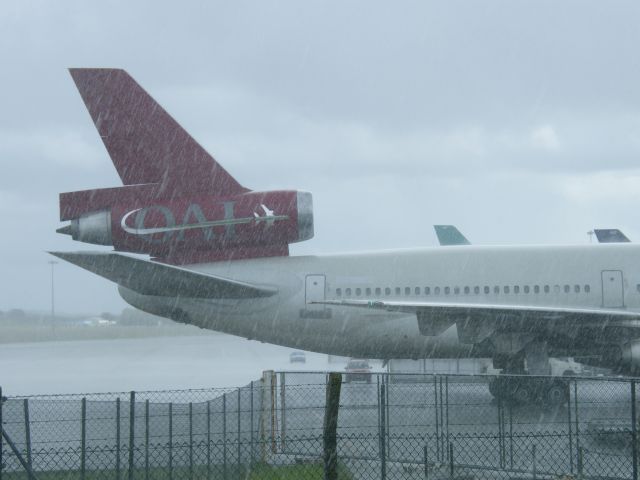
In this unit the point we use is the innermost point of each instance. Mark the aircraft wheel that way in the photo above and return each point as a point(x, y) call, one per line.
point(557, 394)
point(523, 393)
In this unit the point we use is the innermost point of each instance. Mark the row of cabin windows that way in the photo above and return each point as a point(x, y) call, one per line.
point(507, 289)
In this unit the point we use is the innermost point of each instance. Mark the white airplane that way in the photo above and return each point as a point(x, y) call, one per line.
point(515, 304)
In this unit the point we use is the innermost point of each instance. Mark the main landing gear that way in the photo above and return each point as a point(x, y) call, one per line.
point(523, 390)
point(515, 386)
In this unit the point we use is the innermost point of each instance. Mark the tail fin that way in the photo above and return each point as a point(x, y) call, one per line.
point(610, 235)
point(145, 144)
point(450, 235)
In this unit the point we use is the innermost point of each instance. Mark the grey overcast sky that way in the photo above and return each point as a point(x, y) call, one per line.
point(517, 121)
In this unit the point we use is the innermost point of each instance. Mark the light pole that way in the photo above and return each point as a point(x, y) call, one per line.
point(53, 263)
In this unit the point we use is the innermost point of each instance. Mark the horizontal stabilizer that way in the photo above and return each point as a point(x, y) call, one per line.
point(151, 278)
point(450, 235)
point(610, 235)
point(144, 142)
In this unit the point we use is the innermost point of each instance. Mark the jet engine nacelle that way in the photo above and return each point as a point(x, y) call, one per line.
point(93, 227)
point(176, 227)
point(630, 356)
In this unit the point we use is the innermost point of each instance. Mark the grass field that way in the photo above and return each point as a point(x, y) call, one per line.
point(22, 334)
point(306, 471)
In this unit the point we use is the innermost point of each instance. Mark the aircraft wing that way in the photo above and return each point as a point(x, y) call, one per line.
point(152, 278)
point(464, 311)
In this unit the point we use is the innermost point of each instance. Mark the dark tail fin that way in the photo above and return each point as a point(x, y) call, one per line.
point(450, 235)
point(146, 145)
point(610, 235)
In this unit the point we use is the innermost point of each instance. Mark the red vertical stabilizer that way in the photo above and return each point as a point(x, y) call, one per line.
point(144, 142)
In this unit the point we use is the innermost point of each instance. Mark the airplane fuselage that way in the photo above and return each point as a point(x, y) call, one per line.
point(580, 277)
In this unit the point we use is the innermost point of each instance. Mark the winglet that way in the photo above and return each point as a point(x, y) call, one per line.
point(146, 145)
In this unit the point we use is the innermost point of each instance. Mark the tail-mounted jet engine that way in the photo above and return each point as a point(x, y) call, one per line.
point(188, 229)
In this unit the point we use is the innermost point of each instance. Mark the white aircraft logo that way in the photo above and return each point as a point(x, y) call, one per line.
point(269, 218)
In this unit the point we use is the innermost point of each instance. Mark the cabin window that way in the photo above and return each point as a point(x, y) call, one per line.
point(347, 292)
point(378, 291)
point(368, 292)
point(506, 289)
point(417, 290)
point(576, 288)
point(547, 289)
point(536, 289)
point(427, 290)
point(526, 289)
point(516, 289)
point(467, 290)
point(638, 287)
point(487, 289)
point(436, 290)
point(447, 290)
point(456, 290)
point(358, 292)
point(587, 288)
point(387, 291)
point(567, 289)
point(339, 292)
point(476, 290)
point(407, 291)
point(496, 290)
point(398, 290)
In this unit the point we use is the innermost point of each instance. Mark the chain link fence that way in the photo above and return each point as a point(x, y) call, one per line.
point(389, 426)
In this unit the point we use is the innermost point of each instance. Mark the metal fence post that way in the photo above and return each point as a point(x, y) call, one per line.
point(382, 432)
point(190, 440)
point(500, 433)
point(251, 429)
point(569, 422)
point(118, 438)
point(239, 428)
point(575, 410)
point(425, 459)
point(146, 439)
point(330, 426)
point(170, 441)
point(83, 437)
point(580, 463)
point(208, 439)
point(446, 403)
point(510, 436)
point(387, 417)
point(283, 410)
point(443, 448)
point(27, 432)
point(224, 436)
point(634, 430)
point(274, 412)
point(435, 409)
point(132, 431)
point(450, 459)
point(534, 469)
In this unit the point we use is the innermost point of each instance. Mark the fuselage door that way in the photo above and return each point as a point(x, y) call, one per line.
point(314, 291)
point(612, 290)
